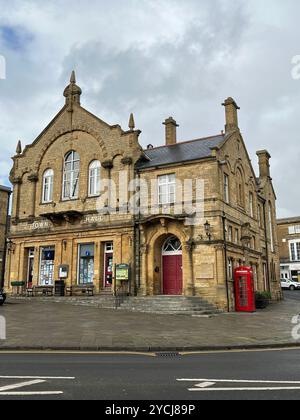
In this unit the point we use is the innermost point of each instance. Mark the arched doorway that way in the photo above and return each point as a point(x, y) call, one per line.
point(172, 267)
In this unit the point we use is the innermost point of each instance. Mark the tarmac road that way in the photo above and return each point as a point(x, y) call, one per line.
point(112, 377)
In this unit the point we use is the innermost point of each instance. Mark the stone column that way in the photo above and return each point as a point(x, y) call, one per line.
point(108, 165)
point(36, 266)
point(33, 179)
point(188, 271)
point(17, 182)
point(97, 265)
point(144, 249)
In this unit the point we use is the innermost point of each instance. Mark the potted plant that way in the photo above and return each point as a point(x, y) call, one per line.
point(262, 299)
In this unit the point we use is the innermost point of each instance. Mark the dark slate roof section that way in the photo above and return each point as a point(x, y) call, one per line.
point(180, 152)
point(5, 189)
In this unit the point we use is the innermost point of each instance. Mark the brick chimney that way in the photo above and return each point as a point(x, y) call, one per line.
point(171, 131)
point(231, 114)
point(264, 163)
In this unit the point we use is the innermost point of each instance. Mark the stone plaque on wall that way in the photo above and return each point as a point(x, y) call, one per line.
point(206, 271)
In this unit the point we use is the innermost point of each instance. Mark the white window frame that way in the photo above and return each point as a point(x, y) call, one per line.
point(293, 230)
point(226, 188)
point(167, 182)
point(94, 178)
point(294, 250)
point(73, 178)
point(109, 248)
point(251, 203)
point(48, 186)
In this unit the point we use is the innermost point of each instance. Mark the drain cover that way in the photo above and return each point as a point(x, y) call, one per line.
point(168, 354)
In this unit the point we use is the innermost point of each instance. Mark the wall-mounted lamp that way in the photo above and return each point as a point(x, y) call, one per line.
point(207, 227)
point(11, 247)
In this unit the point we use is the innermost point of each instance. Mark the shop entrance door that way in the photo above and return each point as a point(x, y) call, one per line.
point(47, 266)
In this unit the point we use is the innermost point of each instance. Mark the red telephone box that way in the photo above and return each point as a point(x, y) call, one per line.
point(244, 289)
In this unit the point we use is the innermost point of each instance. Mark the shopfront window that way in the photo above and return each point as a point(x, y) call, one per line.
point(86, 264)
point(47, 266)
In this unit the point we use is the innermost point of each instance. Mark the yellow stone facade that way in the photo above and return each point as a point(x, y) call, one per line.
point(4, 201)
point(232, 236)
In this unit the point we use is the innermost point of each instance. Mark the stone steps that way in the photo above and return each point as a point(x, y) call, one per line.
point(178, 305)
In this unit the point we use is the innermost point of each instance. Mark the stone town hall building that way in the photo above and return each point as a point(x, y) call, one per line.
point(59, 219)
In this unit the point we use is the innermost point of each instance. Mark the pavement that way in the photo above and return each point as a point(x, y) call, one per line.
point(238, 375)
point(42, 325)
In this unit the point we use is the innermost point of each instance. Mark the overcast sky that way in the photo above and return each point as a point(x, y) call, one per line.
point(157, 58)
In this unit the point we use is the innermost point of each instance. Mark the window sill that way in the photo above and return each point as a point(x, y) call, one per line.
point(46, 203)
point(89, 197)
point(67, 200)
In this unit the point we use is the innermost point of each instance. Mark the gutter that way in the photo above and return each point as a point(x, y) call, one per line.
point(267, 247)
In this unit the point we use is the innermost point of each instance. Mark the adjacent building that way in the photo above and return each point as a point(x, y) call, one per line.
point(73, 212)
point(4, 206)
point(289, 248)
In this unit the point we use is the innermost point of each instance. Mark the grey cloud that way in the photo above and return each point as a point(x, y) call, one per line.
point(159, 58)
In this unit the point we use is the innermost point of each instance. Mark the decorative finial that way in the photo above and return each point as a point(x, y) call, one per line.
point(72, 92)
point(73, 77)
point(19, 148)
point(131, 122)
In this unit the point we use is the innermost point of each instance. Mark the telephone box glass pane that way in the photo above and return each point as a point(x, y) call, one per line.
point(243, 292)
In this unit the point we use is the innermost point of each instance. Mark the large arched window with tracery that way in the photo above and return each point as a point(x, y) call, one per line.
point(71, 176)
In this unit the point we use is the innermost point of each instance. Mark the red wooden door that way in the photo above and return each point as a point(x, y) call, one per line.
point(172, 275)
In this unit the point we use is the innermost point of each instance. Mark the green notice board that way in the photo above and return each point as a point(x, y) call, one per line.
point(122, 272)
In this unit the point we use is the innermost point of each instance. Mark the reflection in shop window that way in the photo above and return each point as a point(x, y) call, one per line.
point(86, 264)
point(47, 266)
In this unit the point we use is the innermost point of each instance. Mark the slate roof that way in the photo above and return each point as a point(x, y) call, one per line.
point(180, 152)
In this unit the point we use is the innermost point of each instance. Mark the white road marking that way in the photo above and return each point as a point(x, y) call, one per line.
point(206, 385)
point(8, 390)
point(243, 389)
point(239, 381)
point(29, 394)
point(20, 385)
point(71, 378)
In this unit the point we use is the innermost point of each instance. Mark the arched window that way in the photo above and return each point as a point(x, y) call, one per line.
point(94, 178)
point(172, 246)
point(240, 188)
point(48, 186)
point(71, 176)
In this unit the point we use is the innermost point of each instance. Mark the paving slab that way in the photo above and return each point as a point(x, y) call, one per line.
point(38, 324)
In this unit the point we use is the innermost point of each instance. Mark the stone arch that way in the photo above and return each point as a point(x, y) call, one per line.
point(152, 261)
point(60, 133)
